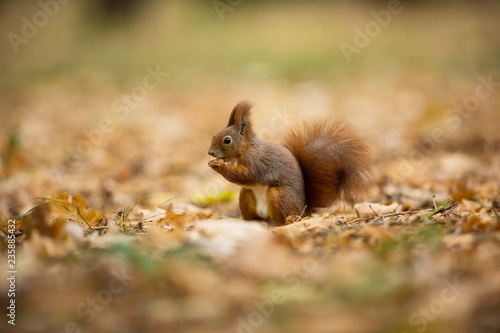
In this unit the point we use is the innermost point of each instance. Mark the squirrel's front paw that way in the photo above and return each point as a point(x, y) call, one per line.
point(216, 164)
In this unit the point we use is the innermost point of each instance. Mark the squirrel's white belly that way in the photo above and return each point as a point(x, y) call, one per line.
point(260, 194)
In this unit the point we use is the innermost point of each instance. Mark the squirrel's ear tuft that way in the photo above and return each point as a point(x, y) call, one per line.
point(240, 116)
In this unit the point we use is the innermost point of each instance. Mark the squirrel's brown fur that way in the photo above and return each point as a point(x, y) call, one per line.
point(318, 164)
point(335, 162)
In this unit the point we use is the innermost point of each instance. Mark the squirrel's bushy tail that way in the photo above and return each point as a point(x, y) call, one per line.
point(335, 162)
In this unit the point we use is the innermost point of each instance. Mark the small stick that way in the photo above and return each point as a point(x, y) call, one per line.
point(437, 210)
point(375, 212)
point(303, 211)
point(376, 218)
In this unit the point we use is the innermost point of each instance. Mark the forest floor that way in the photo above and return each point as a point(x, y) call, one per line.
point(114, 222)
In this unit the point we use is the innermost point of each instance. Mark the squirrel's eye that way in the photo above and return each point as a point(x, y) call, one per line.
point(227, 140)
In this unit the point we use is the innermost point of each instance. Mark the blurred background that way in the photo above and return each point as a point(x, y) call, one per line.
point(118, 100)
point(397, 78)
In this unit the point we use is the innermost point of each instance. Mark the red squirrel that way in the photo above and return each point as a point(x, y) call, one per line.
point(318, 164)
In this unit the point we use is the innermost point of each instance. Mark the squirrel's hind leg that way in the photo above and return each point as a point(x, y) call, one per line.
point(283, 203)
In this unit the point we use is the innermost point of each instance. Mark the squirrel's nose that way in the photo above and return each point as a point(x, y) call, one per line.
point(211, 152)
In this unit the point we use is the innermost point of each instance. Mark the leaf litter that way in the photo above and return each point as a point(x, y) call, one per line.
point(140, 236)
point(191, 269)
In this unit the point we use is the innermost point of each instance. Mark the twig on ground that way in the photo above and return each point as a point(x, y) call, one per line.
point(437, 210)
point(441, 209)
